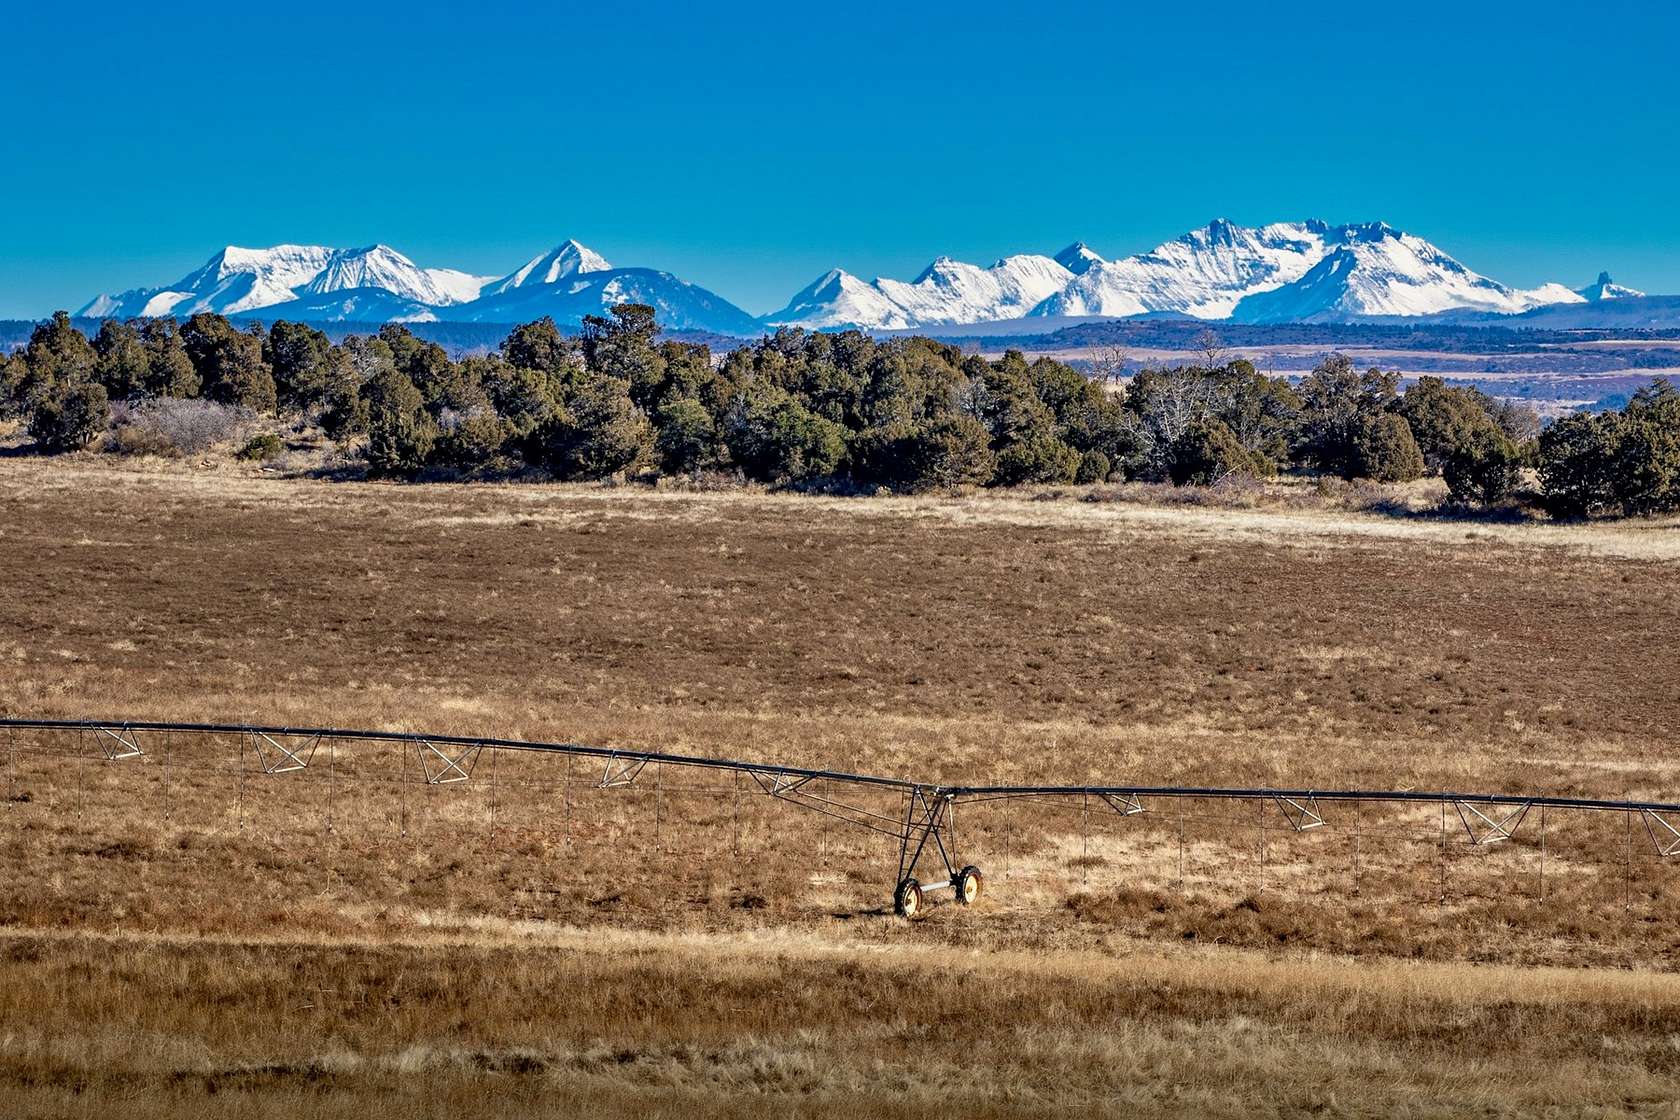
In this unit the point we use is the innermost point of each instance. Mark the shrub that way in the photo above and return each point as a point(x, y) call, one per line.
point(1648, 451)
point(1385, 450)
point(1036, 458)
point(1336, 403)
point(1483, 468)
point(262, 448)
point(69, 415)
point(173, 426)
point(1093, 467)
point(940, 454)
point(469, 439)
point(1206, 453)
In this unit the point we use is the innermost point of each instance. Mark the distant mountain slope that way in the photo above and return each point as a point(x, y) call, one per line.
point(947, 292)
point(1614, 314)
point(1078, 258)
point(348, 305)
point(233, 280)
point(238, 280)
point(1376, 270)
point(678, 304)
point(313, 283)
point(380, 266)
point(1205, 273)
point(1606, 288)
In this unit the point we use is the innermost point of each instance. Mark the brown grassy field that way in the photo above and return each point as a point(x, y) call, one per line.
point(188, 936)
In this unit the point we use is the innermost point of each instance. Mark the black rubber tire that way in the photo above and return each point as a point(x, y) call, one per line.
point(969, 885)
point(908, 901)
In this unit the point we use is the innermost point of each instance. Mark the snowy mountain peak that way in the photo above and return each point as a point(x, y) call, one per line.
point(1606, 288)
point(568, 258)
point(946, 292)
point(382, 267)
point(1204, 273)
point(839, 299)
point(1380, 271)
point(1078, 258)
point(1369, 231)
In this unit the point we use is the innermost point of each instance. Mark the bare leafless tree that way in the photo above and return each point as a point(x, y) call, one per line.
point(1212, 348)
point(1108, 366)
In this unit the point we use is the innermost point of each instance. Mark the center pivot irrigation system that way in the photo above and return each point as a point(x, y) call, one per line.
point(924, 833)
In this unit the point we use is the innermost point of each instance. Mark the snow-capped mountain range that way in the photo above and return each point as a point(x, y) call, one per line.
point(1285, 272)
point(378, 284)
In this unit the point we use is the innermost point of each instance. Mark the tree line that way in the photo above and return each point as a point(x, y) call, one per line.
point(799, 408)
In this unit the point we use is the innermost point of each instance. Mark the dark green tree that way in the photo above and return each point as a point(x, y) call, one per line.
point(229, 362)
point(685, 437)
point(524, 396)
point(300, 358)
point(69, 414)
point(1443, 418)
point(599, 433)
point(1386, 451)
point(943, 453)
point(170, 371)
point(1040, 457)
point(621, 345)
point(1648, 451)
point(400, 432)
point(774, 438)
point(1484, 468)
point(123, 366)
point(1336, 403)
point(540, 346)
point(1208, 452)
point(1577, 460)
point(56, 353)
point(1093, 467)
point(471, 439)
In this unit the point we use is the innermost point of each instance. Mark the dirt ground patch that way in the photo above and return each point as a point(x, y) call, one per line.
point(985, 638)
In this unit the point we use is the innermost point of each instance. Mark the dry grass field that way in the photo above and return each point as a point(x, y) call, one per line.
point(184, 935)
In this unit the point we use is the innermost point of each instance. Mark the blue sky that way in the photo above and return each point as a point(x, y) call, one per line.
point(750, 147)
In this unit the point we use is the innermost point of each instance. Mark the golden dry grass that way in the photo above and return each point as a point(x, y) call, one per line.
point(526, 945)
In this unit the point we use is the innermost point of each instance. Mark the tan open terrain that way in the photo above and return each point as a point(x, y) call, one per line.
point(184, 935)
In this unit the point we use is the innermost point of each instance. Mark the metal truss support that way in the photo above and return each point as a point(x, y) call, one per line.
point(1301, 812)
point(1484, 829)
point(1124, 804)
point(619, 772)
point(441, 768)
point(778, 785)
point(801, 790)
point(1664, 836)
point(117, 743)
point(277, 757)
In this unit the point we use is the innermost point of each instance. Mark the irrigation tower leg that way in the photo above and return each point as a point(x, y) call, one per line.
point(929, 813)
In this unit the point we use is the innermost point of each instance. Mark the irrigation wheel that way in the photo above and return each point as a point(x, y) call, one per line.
point(907, 900)
point(968, 884)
